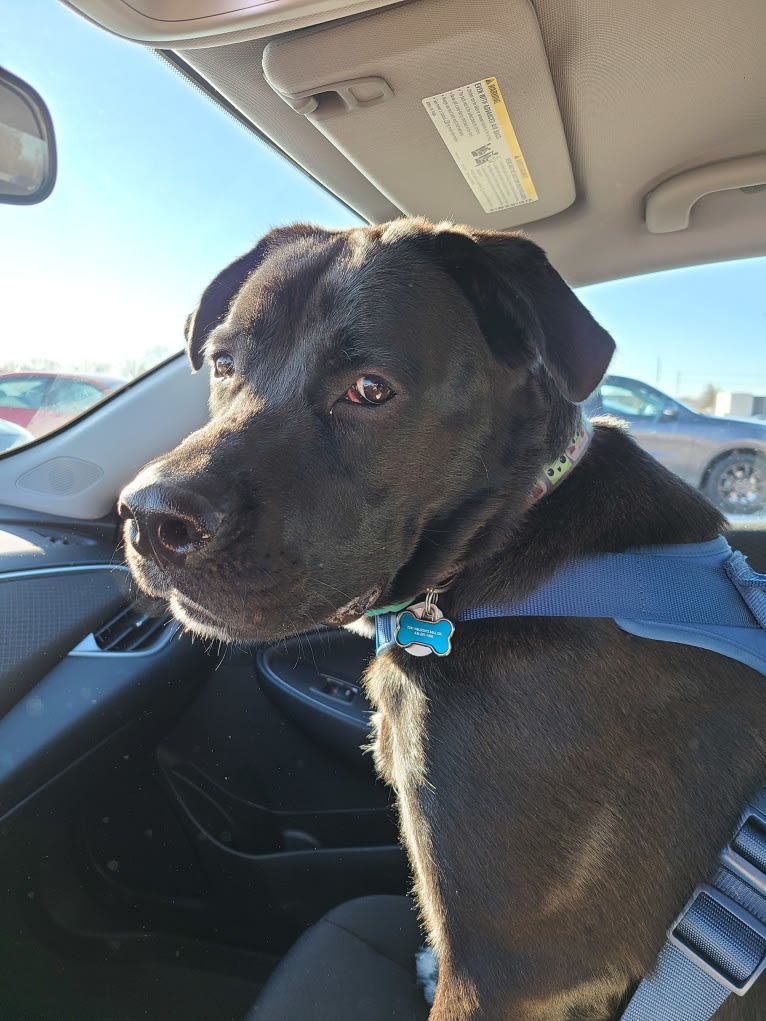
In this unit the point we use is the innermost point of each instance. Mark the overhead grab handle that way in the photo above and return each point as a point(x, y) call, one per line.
point(668, 206)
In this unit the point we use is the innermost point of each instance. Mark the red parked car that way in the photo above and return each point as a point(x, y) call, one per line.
point(43, 401)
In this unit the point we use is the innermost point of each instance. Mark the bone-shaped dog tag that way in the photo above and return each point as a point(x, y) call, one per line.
point(420, 636)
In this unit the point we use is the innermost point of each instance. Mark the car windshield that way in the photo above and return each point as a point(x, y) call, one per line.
point(159, 188)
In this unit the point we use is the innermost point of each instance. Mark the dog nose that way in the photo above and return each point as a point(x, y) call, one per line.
point(167, 522)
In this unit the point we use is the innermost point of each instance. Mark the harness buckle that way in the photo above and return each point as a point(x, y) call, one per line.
point(745, 855)
point(721, 936)
point(722, 939)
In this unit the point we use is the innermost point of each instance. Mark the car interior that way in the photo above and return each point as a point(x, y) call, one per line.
point(176, 815)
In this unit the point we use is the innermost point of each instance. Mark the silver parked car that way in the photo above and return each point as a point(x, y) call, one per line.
point(724, 457)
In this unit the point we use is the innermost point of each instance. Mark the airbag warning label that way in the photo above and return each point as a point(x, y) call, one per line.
point(474, 124)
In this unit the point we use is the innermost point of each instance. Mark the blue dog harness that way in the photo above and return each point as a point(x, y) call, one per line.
point(704, 595)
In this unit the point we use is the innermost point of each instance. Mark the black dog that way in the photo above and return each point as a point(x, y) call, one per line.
point(383, 401)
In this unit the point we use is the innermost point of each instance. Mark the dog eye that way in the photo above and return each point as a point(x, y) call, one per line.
point(223, 365)
point(369, 390)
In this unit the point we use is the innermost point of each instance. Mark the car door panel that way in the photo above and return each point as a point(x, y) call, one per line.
point(287, 818)
point(269, 825)
point(316, 681)
point(263, 809)
point(66, 685)
point(45, 613)
point(82, 702)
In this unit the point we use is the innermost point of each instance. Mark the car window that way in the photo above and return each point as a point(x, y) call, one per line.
point(693, 338)
point(73, 395)
point(22, 392)
point(158, 188)
point(630, 400)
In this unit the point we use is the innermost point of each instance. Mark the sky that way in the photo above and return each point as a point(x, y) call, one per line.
point(158, 189)
point(684, 329)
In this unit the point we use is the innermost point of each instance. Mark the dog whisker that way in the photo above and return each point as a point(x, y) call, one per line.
point(326, 584)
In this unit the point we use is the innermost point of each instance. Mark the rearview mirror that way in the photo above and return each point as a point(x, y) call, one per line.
point(27, 145)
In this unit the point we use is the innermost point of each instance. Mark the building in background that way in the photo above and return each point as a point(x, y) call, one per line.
point(739, 405)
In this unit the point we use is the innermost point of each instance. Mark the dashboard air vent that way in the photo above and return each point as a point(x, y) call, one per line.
point(133, 629)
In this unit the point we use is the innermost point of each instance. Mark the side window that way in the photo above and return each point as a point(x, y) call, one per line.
point(158, 189)
point(72, 395)
point(23, 392)
point(635, 401)
point(689, 378)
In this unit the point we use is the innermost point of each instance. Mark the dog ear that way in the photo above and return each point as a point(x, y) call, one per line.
point(216, 300)
point(510, 283)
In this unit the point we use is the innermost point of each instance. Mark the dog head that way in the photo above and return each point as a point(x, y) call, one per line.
point(380, 395)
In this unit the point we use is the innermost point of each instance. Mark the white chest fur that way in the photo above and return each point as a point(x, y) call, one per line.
point(400, 748)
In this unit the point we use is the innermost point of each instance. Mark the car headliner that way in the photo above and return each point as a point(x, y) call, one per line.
point(645, 91)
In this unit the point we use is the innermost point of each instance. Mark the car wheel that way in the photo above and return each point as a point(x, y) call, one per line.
point(737, 483)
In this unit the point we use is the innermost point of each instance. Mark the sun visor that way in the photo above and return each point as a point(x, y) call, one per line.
point(448, 108)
